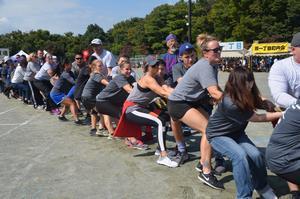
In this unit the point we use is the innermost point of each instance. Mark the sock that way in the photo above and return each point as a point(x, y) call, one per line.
point(181, 146)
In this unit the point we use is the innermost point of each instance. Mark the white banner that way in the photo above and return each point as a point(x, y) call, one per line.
point(232, 46)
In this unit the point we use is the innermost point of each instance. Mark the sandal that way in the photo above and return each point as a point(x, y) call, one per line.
point(138, 144)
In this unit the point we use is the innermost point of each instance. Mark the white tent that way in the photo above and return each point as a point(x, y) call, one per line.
point(21, 52)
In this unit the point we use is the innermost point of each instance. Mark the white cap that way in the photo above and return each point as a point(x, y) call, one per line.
point(96, 42)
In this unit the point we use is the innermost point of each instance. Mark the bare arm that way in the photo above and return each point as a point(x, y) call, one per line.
point(155, 87)
point(215, 92)
point(266, 117)
point(127, 88)
point(104, 82)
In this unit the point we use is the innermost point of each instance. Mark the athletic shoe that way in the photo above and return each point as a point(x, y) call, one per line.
point(102, 133)
point(199, 167)
point(167, 162)
point(181, 157)
point(78, 122)
point(55, 111)
point(136, 145)
point(220, 167)
point(93, 132)
point(211, 180)
point(62, 118)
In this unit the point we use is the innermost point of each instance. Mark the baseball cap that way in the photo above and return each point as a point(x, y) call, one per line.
point(185, 47)
point(171, 36)
point(96, 41)
point(151, 60)
point(296, 40)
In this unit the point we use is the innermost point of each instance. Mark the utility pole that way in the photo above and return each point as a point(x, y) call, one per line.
point(189, 23)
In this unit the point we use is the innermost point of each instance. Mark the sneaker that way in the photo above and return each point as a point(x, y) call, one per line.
point(40, 107)
point(137, 145)
point(167, 162)
point(55, 111)
point(199, 167)
point(102, 133)
point(93, 132)
point(211, 180)
point(181, 157)
point(220, 167)
point(62, 118)
point(157, 152)
point(78, 122)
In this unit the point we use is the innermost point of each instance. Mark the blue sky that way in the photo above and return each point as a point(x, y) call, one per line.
point(60, 16)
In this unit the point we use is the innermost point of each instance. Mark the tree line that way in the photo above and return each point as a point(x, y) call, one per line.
point(228, 20)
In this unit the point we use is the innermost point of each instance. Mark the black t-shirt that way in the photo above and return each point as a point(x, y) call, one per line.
point(228, 120)
point(283, 150)
point(114, 91)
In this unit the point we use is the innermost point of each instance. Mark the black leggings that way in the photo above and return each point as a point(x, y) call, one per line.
point(45, 87)
point(145, 117)
point(37, 98)
point(107, 108)
point(293, 177)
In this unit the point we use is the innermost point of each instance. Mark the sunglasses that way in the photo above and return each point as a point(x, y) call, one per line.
point(215, 50)
point(78, 58)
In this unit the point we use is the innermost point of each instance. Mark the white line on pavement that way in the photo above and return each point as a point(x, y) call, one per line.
point(1, 113)
point(21, 124)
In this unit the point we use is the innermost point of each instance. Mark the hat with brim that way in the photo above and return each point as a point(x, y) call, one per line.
point(96, 42)
point(151, 60)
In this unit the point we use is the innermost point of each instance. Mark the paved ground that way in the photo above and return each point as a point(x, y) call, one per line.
point(41, 157)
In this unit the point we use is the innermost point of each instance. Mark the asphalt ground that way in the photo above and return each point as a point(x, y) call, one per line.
point(41, 157)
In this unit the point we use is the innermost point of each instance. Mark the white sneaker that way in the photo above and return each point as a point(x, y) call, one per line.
point(167, 162)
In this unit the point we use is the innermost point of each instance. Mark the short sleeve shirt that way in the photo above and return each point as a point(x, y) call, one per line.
point(178, 71)
point(193, 85)
point(114, 91)
point(43, 74)
point(93, 86)
point(283, 150)
point(228, 120)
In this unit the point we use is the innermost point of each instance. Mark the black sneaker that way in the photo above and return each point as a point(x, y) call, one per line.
point(199, 167)
point(78, 122)
point(93, 132)
point(62, 118)
point(211, 180)
point(181, 157)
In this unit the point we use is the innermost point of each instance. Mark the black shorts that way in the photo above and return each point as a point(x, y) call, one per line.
point(177, 109)
point(88, 104)
point(108, 108)
point(293, 177)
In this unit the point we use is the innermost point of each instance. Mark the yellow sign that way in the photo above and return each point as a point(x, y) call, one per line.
point(261, 48)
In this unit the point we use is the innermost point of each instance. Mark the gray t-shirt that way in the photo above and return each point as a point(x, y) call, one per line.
point(228, 120)
point(31, 69)
point(64, 83)
point(114, 91)
point(193, 85)
point(178, 71)
point(93, 86)
point(43, 74)
point(283, 150)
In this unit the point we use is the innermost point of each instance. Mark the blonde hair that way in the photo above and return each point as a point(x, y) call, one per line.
point(94, 64)
point(31, 56)
point(205, 39)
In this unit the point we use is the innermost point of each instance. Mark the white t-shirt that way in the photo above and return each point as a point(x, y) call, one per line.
point(18, 75)
point(108, 60)
point(284, 81)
